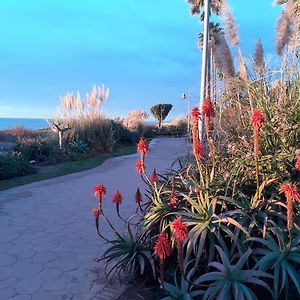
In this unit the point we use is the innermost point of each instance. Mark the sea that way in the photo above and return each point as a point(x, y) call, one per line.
point(8, 123)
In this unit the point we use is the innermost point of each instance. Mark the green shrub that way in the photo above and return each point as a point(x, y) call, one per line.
point(39, 149)
point(122, 135)
point(11, 167)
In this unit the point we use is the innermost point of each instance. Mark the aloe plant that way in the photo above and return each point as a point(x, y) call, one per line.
point(129, 254)
point(280, 257)
point(232, 281)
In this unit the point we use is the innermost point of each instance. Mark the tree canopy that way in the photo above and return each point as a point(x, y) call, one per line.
point(160, 112)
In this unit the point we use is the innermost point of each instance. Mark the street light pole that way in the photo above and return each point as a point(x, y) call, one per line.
point(205, 57)
point(188, 98)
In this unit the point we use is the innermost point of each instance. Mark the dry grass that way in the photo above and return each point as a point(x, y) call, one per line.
point(96, 131)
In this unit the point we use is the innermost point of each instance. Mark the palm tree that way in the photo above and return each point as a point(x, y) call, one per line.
point(208, 6)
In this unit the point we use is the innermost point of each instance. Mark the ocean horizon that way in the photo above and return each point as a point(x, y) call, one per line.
point(34, 123)
point(30, 123)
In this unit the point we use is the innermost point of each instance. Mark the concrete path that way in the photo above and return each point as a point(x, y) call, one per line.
point(48, 241)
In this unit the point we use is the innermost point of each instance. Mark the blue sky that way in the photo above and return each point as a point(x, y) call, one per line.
point(145, 51)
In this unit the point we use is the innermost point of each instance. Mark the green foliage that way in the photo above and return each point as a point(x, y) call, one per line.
point(160, 112)
point(80, 146)
point(231, 281)
point(129, 254)
point(38, 149)
point(279, 256)
point(13, 166)
point(122, 135)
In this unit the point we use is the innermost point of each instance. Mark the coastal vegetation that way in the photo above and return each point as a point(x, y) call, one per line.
point(225, 225)
point(79, 136)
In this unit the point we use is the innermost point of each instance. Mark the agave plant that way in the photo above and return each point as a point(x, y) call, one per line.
point(280, 257)
point(80, 146)
point(232, 281)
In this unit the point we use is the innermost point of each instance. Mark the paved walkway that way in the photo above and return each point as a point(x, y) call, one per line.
point(48, 241)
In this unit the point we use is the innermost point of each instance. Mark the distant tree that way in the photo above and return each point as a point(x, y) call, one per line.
point(160, 112)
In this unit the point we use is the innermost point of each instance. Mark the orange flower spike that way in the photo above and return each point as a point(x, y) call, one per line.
point(180, 229)
point(181, 233)
point(173, 200)
point(290, 191)
point(297, 164)
point(257, 118)
point(139, 166)
point(208, 109)
point(100, 191)
point(198, 150)
point(257, 121)
point(143, 149)
point(292, 195)
point(142, 146)
point(195, 114)
point(162, 247)
point(138, 196)
point(117, 198)
point(154, 178)
point(96, 212)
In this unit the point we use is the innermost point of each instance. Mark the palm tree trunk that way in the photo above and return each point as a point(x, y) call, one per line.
point(205, 56)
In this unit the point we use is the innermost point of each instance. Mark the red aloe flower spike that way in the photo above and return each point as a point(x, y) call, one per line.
point(181, 233)
point(208, 112)
point(162, 247)
point(180, 229)
point(117, 198)
point(290, 191)
point(195, 114)
point(197, 146)
point(297, 164)
point(100, 191)
point(142, 146)
point(198, 149)
point(139, 166)
point(292, 195)
point(257, 118)
point(143, 149)
point(138, 196)
point(154, 178)
point(257, 121)
point(207, 109)
point(96, 212)
point(173, 199)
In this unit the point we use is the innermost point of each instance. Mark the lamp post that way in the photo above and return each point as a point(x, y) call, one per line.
point(188, 98)
point(205, 58)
